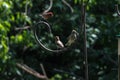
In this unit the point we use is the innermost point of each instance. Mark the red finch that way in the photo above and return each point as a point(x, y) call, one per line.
point(58, 42)
point(46, 15)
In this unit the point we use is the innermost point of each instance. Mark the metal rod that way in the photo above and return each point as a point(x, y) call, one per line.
point(118, 59)
point(118, 67)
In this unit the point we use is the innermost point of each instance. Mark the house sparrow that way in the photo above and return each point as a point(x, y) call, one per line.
point(58, 42)
point(72, 37)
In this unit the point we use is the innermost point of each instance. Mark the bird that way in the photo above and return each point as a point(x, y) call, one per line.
point(58, 42)
point(72, 38)
point(46, 15)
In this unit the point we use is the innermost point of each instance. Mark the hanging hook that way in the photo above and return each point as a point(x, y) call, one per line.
point(50, 6)
point(39, 42)
point(68, 5)
point(117, 9)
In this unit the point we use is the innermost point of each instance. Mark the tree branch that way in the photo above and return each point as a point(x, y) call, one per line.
point(22, 28)
point(84, 4)
point(26, 11)
point(43, 70)
point(31, 71)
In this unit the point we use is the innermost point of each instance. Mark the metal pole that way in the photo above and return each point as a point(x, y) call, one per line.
point(118, 58)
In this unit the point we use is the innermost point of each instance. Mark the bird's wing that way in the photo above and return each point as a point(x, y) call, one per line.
point(69, 37)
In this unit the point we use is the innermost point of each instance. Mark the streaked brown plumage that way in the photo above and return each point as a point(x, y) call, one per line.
point(72, 38)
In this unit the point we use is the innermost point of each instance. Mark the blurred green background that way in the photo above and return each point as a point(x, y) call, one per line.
point(102, 23)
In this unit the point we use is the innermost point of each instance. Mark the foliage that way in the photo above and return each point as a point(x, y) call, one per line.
point(20, 46)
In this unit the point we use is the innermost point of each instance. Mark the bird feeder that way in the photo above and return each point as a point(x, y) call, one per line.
point(118, 56)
